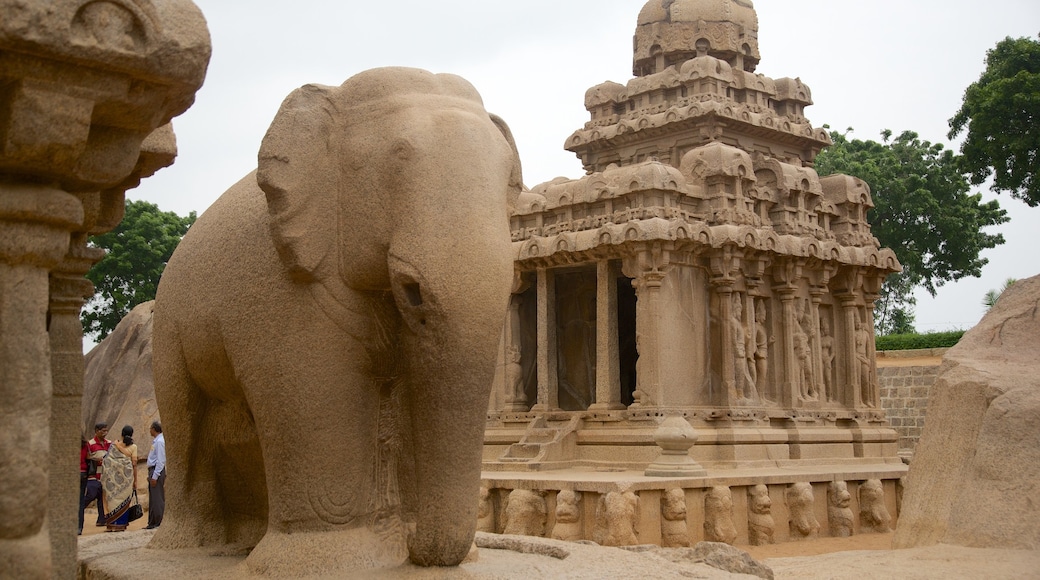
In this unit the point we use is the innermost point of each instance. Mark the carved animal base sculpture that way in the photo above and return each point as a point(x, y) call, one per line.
point(325, 334)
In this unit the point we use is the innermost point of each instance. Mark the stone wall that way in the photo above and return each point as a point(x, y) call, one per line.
point(904, 378)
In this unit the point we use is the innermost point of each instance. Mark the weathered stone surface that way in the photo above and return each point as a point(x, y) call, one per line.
point(118, 387)
point(343, 302)
point(975, 475)
point(84, 84)
point(730, 559)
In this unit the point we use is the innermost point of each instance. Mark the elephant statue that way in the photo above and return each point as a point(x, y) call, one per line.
point(325, 334)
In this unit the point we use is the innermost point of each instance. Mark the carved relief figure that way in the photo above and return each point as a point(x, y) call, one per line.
point(839, 514)
point(347, 268)
point(760, 518)
point(762, 342)
point(804, 525)
point(525, 513)
point(718, 515)
point(803, 353)
point(568, 516)
point(616, 519)
point(485, 512)
point(674, 533)
point(514, 377)
point(745, 383)
point(873, 514)
point(866, 375)
point(827, 350)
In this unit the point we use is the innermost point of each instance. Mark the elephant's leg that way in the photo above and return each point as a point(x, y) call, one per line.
point(191, 517)
point(318, 418)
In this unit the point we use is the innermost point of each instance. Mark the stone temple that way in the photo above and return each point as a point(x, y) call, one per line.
point(700, 282)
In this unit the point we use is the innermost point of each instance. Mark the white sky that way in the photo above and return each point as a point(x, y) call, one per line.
point(871, 65)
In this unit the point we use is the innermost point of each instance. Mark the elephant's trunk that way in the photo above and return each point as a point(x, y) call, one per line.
point(450, 269)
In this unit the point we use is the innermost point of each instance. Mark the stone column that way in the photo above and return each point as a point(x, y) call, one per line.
point(548, 385)
point(724, 297)
point(35, 222)
point(608, 374)
point(849, 310)
point(68, 292)
point(84, 85)
point(816, 298)
point(648, 312)
point(791, 368)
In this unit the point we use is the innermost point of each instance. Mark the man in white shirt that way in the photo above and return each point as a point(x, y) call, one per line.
point(156, 477)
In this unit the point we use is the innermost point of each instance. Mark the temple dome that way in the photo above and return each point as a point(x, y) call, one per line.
point(669, 32)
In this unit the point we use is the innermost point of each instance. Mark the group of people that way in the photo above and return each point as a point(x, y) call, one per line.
point(108, 475)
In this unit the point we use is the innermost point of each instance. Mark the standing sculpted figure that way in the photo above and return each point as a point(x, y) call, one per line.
point(804, 525)
point(760, 517)
point(740, 350)
point(718, 515)
point(525, 513)
point(514, 377)
point(674, 533)
point(568, 516)
point(762, 341)
point(839, 514)
point(827, 350)
point(866, 378)
point(873, 514)
point(804, 337)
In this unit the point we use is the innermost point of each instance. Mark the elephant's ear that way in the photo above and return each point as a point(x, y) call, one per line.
point(296, 171)
point(516, 177)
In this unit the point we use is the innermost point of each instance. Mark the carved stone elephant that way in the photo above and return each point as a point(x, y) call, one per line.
point(325, 335)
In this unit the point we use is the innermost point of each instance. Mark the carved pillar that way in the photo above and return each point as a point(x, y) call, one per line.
point(849, 311)
point(84, 84)
point(724, 267)
point(816, 298)
point(791, 387)
point(34, 235)
point(548, 385)
point(68, 292)
point(648, 269)
point(608, 374)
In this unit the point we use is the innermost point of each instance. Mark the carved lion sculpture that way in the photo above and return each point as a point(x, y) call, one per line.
point(800, 499)
point(873, 515)
point(839, 514)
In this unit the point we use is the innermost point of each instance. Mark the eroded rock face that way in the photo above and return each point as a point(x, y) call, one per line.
point(117, 386)
point(976, 472)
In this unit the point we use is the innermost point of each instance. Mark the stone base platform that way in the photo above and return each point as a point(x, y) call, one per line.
point(786, 513)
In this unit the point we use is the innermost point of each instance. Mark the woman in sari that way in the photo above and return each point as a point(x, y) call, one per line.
point(119, 480)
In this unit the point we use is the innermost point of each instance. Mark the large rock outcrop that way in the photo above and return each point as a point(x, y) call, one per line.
point(975, 478)
point(118, 386)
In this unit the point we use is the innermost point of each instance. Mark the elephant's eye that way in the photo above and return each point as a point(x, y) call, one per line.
point(403, 149)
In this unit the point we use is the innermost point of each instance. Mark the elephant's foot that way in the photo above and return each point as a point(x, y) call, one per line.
point(332, 553)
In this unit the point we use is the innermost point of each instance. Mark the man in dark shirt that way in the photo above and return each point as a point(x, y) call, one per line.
point(96, 449)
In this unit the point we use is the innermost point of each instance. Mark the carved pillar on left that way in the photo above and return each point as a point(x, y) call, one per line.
point(83, 85)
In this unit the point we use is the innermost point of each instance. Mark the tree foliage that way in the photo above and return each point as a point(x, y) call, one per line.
point(923, 210)
point(137, 252)
point(1001, 114)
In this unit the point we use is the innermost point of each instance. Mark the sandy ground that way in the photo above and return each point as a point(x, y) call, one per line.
point(90, 518)
point(123, 556)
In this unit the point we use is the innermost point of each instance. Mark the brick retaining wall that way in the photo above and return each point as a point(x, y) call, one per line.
point(904, 396)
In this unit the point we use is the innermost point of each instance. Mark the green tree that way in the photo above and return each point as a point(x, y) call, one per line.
point(1001, 114)
point(923, 210)
point(137, 251)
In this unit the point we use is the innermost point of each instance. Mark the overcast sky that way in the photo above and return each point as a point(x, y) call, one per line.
point(871, 65)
